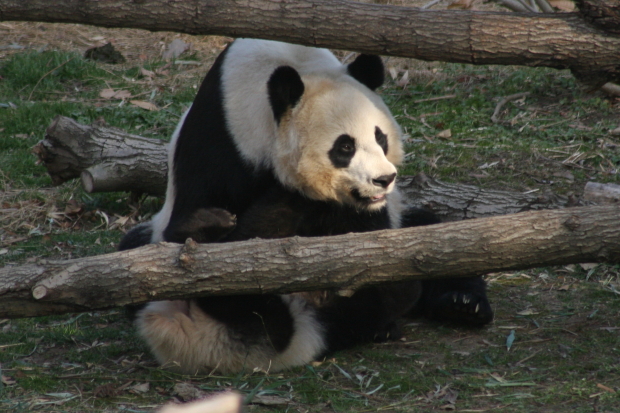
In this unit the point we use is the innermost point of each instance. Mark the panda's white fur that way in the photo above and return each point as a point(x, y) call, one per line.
point(161, 219)
point(294, 149)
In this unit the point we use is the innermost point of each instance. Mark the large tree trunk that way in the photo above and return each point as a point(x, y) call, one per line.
point(163, 271)
point(108, 159)
point(558, 40)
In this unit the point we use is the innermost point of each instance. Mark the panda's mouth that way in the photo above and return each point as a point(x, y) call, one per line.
point(368, 200)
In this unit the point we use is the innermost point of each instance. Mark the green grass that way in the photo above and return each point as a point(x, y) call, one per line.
point(566, 347)
point(555, 119)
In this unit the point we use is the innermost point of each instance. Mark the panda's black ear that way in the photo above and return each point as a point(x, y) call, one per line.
point(368, 70)
point(285, 88)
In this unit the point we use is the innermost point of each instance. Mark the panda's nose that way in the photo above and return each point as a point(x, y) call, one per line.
point(384, 180)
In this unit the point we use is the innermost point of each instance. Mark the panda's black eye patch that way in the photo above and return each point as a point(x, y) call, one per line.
point(381, 139)
point(342, 151)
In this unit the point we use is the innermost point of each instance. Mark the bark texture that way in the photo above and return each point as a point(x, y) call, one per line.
point(558, 40)
point(109, 159)
point(604, 14)
point(163, 271)
point(456, 202)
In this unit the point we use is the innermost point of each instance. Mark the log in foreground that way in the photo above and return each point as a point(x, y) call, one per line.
point(109, 159)
point(558, 40)
point(164, 271)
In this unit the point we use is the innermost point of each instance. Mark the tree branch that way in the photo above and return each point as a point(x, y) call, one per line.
point(164, 271)
point(558, 40)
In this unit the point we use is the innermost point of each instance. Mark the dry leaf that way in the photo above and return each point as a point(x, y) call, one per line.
point(73, 207)
point(404, 80)
point(114, 94)
point(564, 174)
point(603, 387)
point(270, 400)
point(488, 165)
point(8, 381)
point(529, 311)
point(147, 73)
point(393, 73)
point(175, 49)
point(444, 134)
point(461, 4)
point(140, 388)
point(564, 5)
point(187, 392)
point(144, 105)
point(105, 390)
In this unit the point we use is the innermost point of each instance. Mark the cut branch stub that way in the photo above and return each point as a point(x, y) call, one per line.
point(106, 159)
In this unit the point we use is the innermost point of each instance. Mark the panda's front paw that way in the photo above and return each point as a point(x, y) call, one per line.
point(463, 307)
point(206, 225)
point(215, 218)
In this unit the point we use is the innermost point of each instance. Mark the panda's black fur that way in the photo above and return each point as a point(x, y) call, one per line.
point(221, 191)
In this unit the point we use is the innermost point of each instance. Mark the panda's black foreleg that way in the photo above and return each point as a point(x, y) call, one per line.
point(459, 300)
point(370, 314)
point(204, 225)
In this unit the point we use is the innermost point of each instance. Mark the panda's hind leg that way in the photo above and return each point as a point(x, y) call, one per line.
point(461, 300)
point(370, 314)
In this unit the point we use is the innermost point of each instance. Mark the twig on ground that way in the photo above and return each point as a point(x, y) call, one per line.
point(500, 105)
point(45, 75)
point(436, 98)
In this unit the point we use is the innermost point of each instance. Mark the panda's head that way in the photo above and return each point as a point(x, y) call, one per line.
point(336, 139)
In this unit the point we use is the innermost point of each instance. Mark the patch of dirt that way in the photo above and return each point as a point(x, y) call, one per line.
point(137, 46)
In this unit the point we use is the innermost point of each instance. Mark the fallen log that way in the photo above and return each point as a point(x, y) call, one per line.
point(166, 271)
point(105, 158)
point(586, 43)
point(108, 159)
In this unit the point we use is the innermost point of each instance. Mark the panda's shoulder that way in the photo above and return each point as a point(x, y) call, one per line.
point(249, 56)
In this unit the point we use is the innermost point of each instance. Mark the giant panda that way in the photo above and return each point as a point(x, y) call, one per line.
point(284, 140)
